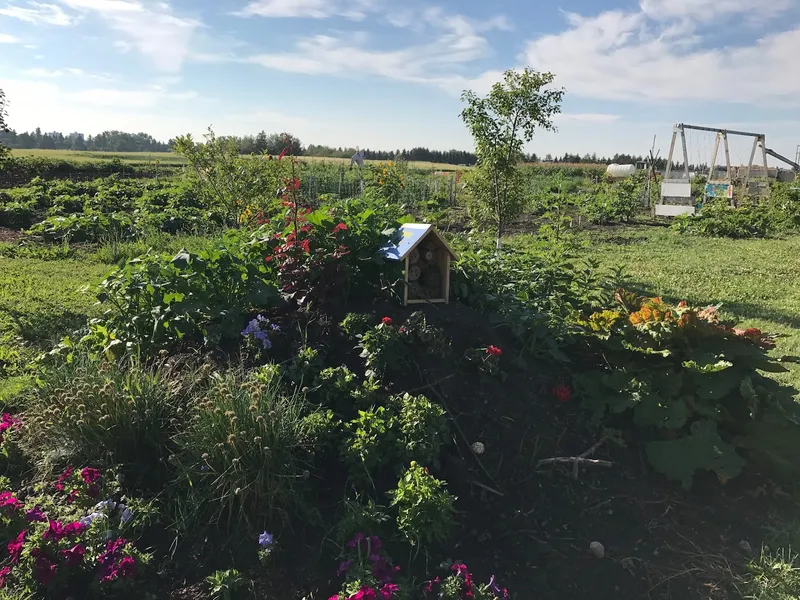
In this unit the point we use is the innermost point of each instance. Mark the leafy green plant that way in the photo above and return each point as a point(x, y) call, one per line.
point(224, 585)
point(409, 428)
point(487, 360)
point(355, 324)
point(425, 511)
point(156, 303)
point(388, 347)
point(683, 375)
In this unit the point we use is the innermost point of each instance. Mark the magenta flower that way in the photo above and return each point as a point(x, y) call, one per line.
point(63, 477)
point(73, 556)
point(35, 515)
point(356, 541)
point(7, 499)
point(388, 590)
point(4, 573)
point(428, 586)
point(55, 532)
point(44, 569)
point(15, 547)
point(365, 593)
point(344, 567)
point(90, 475)
point(75, 528)
point(127, 567)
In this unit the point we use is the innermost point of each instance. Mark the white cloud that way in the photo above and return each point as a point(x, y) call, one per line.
point(586, 117)
point(355, 10)
point(38, 13)
point(151, 28)
point(713, 10)
point(40, 73)
point(8, 39)
point(619, 55)
point(451, 42)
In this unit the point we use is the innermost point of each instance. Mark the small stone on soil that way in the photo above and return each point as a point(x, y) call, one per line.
point(597, 549)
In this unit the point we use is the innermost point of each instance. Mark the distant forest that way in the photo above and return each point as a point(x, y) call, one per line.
point(120, 141)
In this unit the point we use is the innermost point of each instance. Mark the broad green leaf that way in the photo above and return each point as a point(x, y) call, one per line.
point(701, 449)
point(653, 410)
point(708, 368)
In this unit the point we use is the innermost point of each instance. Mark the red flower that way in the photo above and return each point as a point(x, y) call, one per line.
point(296, 184)
point(90, 475)
point(306, 245)
point(283, 153)
point(494, 351)
point(15, 547)
point(386, 320)
point(562, 393)
point(4, 573)
point(340, 227)
point(73, 556)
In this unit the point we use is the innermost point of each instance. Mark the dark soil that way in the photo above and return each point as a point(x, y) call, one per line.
point(9, 235)
point(532, 526)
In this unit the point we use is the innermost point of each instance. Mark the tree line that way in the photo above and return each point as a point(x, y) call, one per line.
point(108, 141)
point(274, 143)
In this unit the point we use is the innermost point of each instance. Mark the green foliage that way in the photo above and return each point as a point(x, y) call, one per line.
point(157, 303)
point(246, 454)
point(780, 213)
point(425, 511)
point(681, 373)
point(409, 428)
point(355, 324)
point(116, 412)
point(225, 585)
point(533, 293)
point(501, 124)
point(228, 181)
point(387, 347)
point(614, 201)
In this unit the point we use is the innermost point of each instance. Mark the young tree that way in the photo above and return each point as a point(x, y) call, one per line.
point(501, 124)
point(4, 152)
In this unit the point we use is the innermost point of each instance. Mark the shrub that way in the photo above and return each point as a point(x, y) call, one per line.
point(718, 219)
point(682, 374)
point(225, 585)
point(424, 506)
point(247, 453)
point(409, 428)
point(112, 412)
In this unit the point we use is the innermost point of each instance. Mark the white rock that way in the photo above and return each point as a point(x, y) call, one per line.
point(597, 549)
point(478, 448)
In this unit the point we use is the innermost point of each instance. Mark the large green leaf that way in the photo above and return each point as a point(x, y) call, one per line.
point(653, 410)
point(701, 449)
point(714, 386)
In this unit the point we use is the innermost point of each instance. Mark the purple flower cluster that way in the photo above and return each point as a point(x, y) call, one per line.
point(260, 328)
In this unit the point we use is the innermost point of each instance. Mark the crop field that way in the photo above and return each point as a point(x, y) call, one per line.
point(210, 387)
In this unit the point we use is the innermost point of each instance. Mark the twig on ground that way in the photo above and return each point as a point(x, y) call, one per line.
point(579, 460)
point(487, 488)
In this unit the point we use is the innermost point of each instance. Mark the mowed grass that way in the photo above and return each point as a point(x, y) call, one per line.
point(756, 281)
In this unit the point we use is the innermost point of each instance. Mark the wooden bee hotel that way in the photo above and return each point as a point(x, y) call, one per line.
point(427, 259)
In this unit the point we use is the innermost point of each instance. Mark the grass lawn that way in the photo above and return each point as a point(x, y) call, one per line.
point(756, 281)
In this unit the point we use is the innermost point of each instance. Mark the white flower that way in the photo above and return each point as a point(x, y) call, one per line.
point(127, 515)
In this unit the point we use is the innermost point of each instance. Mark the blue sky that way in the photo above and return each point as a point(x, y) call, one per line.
point(383, 74)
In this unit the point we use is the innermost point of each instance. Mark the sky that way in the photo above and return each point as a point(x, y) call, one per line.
point(384, 74)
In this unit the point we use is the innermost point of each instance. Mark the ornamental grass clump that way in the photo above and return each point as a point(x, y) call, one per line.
point(118, 412)
point(247, 453)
